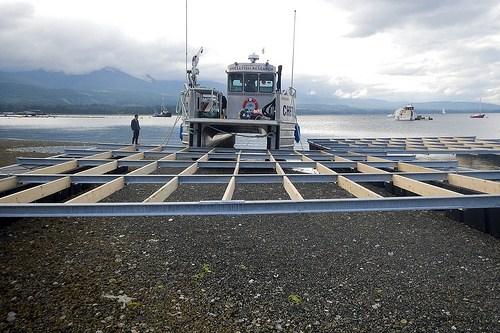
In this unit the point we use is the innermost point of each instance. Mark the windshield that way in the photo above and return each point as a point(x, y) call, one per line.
point(266, 83)
point(236, 82)
point(251, 81)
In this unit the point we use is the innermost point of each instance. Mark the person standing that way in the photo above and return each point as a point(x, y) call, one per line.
point(134, 124)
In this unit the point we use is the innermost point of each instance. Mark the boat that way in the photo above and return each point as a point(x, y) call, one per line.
point(163, 112)
point(419, 117)
point(254, 105)
point(443, 111)
point(405, 113)
point(480, 114)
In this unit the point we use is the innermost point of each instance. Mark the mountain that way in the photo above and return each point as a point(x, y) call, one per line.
point(115, 88)
point(107, 86)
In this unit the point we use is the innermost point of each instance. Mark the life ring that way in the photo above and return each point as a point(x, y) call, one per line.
point(250, 104)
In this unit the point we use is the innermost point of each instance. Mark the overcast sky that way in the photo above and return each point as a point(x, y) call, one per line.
point(415, 50)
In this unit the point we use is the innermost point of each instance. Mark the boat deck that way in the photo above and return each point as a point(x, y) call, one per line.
point(362, 174)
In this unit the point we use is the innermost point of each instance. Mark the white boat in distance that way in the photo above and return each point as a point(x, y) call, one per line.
point(405, 113)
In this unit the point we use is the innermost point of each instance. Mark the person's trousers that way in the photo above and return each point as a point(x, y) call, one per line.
point(135, 138)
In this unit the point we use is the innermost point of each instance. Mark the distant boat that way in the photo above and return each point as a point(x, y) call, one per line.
point(443, 111)
point(163, 112)
point(405, 113)
point(480, 114)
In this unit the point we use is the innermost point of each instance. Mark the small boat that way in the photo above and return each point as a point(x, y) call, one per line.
point(405, 113)
point(163, 112)
point(480, 114)
point(443, 111)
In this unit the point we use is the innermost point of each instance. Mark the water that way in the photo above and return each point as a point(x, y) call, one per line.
point(116, 129)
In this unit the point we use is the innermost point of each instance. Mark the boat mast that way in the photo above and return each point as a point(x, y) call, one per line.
point(186, 37)
point(293, 44)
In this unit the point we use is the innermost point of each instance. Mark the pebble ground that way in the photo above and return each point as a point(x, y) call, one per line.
point(364, 272)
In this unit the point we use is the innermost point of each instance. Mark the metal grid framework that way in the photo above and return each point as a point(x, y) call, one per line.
point(346, 164)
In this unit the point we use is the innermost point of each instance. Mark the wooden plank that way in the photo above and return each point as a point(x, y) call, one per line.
point(128, 148)
point(228, 193)
point(306, 158)
point(38, 192)
point(236, 168)
point(111, 187)
point(421, 188)
point(8, 183)
point(376, 159)
point(324, 170)
point(164, 192)
point(100, 192)
point(173, 156)
point(103, 155)
point(159, 148)
point(292, 191)
point(190, 169)
point(356, 189)
point(138, 156)
point(145, 170)
point(170, 157)
point(279, 169)
point(57, 168)
point(476, 184)
point(408, 167)
point(365, 168)
point(100, 169)
point(341, 159)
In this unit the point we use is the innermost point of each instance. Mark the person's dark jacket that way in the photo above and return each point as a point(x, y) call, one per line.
point(135, 125)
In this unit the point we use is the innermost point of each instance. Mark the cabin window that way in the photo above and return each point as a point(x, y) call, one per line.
point(266, 83)
point(235, 82)
point(251, 81)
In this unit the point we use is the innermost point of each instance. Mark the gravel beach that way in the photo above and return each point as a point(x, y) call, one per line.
point(364, 272)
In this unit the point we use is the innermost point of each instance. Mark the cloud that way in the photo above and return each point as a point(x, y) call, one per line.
point(441, 48)
point(78, 46)
point(371, 17)
point(13, 14)
point(397, 50)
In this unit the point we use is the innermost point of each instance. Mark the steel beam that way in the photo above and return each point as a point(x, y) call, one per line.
point(236, 207)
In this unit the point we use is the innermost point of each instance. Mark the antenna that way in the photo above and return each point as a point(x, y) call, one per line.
point(186, 37)
point(293, 45)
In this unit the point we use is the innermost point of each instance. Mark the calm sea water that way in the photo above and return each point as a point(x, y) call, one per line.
point(116, 129)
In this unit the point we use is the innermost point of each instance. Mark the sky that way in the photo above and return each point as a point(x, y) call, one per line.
point(425, 50)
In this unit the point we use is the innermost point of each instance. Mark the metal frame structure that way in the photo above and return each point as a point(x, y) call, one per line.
point(346, 164)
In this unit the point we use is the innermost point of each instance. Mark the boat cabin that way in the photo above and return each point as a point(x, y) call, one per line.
point(250, 88)
point(254, 104)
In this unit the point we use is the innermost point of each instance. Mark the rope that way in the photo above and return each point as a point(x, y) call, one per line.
point(167, 139)
point(179, 107)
